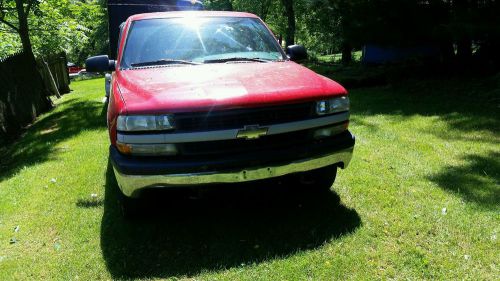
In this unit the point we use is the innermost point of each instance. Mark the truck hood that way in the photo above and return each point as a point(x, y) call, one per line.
point(220, 86)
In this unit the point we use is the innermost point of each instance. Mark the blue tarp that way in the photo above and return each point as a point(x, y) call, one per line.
point(374, 54)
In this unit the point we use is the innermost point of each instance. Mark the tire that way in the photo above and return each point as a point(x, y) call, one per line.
point(320, 179)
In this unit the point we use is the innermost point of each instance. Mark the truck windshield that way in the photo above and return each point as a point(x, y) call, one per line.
point(199, 40)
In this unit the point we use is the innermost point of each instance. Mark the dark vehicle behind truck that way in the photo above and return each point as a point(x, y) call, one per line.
point(120, 10)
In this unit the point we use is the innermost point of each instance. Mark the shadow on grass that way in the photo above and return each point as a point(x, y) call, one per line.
point(470, 109)
point(181, 233)
point(466, 105)
point(39, 143)
point(477, 182)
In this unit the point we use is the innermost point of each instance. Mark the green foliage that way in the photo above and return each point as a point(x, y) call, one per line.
point(219, 5)
point(265, 9)
point(15, 15)
point(69, 26)
point(76, 27)
point(9, 44)
point(319, 27)
point(270, 11)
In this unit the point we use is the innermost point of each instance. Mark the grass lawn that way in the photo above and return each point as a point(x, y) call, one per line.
point(421, 200)
point(335, 58)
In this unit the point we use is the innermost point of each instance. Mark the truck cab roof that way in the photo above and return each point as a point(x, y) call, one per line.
point(182, 14)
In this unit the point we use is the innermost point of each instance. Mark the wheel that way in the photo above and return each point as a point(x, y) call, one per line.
point(320, 179)
point(129, 207)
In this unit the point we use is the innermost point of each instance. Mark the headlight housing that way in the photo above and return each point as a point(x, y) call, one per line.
point(334, 105)
point(326, 132)
point(140, 123)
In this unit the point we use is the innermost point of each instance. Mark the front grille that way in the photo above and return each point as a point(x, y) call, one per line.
point(237, 146)
point(238, 118)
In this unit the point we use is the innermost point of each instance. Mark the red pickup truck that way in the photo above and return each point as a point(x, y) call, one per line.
point(211, 97)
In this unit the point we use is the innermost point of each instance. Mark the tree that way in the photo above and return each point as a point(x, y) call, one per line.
point(265, 6)
point(259, 7)
point(290, 15)
point(20, 9)
point(219, 5)
point(268, 10)
point(331, 26)
point(463, 11)
point(77, 27)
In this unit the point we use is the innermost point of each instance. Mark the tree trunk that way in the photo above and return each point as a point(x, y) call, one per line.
point(346, 30)
point(23, 29)
point(229, 5)
point(264, 9)
point(346, 53)
point(464, 48)
point(447, 50)
point(464, 43)
point(290, 14)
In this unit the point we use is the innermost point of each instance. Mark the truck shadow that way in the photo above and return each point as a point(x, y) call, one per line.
point(181, 233)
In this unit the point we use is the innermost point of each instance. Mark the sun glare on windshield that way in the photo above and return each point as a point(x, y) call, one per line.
point(200, 40)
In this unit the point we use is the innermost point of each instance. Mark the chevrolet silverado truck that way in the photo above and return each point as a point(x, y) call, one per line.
point(203, 97)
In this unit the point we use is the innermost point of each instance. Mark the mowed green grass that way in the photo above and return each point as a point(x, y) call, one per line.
point(335, 58)
point(421, 200)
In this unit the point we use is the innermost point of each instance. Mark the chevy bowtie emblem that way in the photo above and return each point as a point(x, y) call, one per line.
point(252, 132)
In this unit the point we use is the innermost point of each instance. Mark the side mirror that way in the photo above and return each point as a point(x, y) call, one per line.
point(99, 64)
point(296, 52)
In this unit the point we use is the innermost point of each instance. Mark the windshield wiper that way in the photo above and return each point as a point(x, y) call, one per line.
point(164, 62)
point(235, 59)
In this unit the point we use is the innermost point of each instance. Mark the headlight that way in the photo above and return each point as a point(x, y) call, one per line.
point(137, 123)
point(333, 105)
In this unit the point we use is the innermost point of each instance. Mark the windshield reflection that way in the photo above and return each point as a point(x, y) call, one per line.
point(199, 40)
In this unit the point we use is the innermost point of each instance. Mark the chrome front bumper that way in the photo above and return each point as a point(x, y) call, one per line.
point(131, 185)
